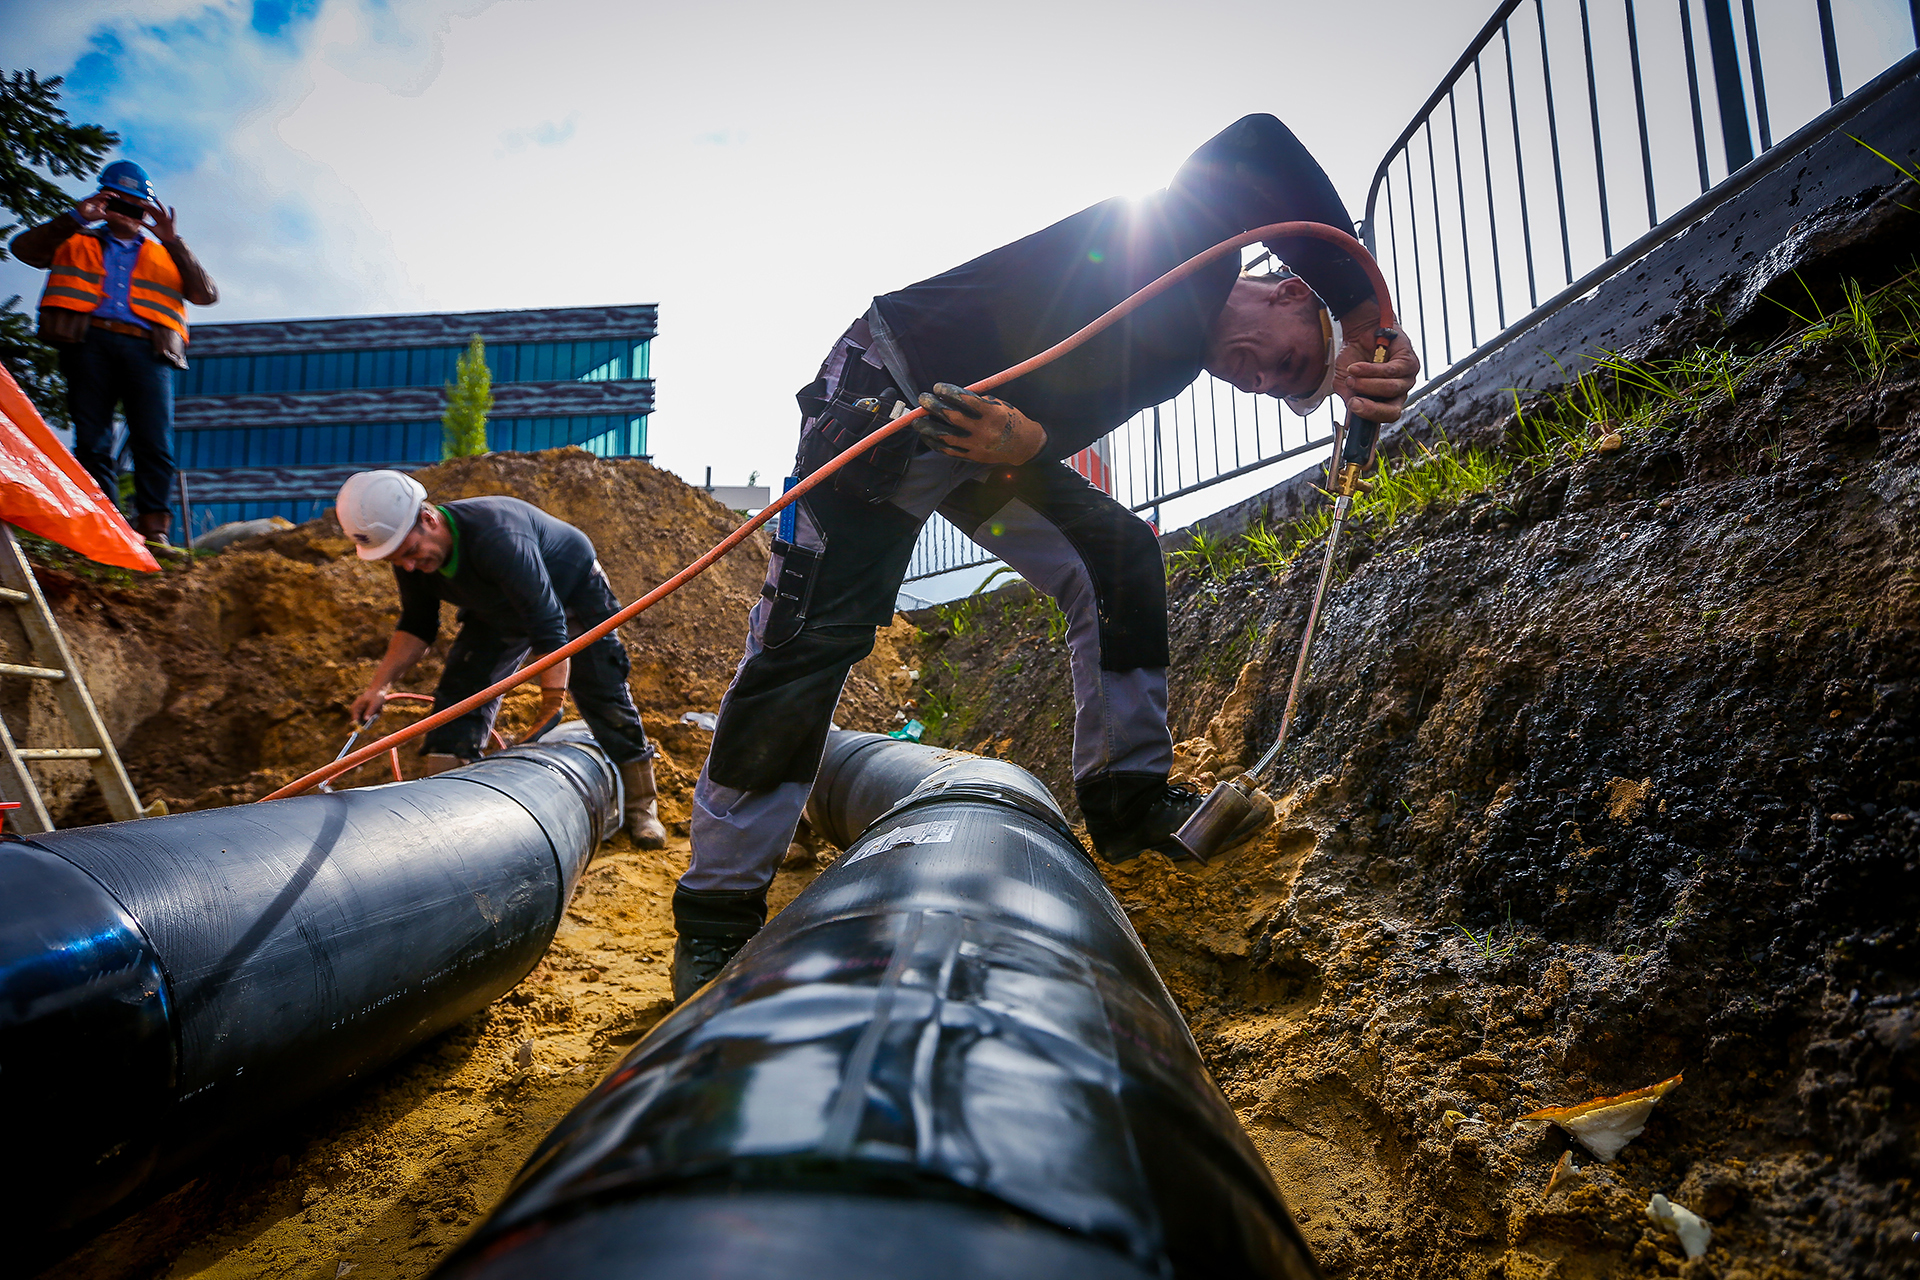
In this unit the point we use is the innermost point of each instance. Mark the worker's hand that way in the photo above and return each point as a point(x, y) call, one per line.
point(978, 428)
point(160, 218)
point(552, 681)
point(1377, 392)
point(552, 703)
point(93, 209)
point(369, 704)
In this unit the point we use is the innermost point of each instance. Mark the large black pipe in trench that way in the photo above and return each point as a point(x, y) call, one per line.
point(948, 1057)
point(168, 984)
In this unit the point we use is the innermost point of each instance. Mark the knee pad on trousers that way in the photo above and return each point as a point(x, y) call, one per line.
point(1130, 583)
point(1117, 549)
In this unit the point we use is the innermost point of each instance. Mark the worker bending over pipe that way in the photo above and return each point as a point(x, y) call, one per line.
point(523, 581)
point(993, 465)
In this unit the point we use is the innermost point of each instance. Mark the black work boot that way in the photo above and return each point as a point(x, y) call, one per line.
point(713, 925)
point(1129, 813)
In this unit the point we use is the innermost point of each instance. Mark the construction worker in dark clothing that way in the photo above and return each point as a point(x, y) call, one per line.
point(115, 306)
point(993, 465)
point(524, 583)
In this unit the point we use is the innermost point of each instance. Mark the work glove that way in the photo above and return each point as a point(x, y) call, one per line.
point(978, 428)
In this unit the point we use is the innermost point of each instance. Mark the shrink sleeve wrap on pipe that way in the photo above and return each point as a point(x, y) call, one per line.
point(166, 984)
point(950, 1056)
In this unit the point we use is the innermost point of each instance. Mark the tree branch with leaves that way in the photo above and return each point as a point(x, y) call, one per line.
point(38, 144)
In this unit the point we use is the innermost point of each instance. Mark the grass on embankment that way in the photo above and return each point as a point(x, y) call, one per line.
point(1602, 409)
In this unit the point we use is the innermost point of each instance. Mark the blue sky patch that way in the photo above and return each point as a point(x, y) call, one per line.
point(272, 18)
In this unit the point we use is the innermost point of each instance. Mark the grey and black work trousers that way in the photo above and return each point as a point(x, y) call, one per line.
point(597, 679)
point(119, 370)
point(1096, 559)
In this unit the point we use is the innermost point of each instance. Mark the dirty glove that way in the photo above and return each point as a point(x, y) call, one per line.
point(978, 428)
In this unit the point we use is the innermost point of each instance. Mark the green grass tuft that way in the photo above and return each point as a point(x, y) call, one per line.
point(1870, 332)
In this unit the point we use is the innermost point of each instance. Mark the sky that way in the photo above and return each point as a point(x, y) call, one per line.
point(759, 170)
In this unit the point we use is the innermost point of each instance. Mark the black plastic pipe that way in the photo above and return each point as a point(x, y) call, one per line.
point(170, 983)
point(948, 1057)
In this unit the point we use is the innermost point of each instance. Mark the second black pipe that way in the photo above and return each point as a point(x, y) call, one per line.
point(948, 1057)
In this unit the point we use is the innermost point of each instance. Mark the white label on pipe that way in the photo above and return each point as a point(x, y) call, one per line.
point(918, 833)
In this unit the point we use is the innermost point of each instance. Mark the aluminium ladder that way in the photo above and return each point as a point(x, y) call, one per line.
point(53, 663)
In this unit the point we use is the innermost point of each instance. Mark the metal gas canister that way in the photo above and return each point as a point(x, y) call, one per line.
point(1232, 811)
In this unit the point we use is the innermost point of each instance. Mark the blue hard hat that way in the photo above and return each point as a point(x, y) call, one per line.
point(126, 177)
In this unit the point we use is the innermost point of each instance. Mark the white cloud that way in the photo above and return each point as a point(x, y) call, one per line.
point(760, 170)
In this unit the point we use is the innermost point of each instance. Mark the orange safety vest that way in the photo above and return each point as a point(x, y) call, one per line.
point(77, 282)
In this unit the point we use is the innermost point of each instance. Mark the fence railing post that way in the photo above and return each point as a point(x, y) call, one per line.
point(1164, 459)
point(1736, 133)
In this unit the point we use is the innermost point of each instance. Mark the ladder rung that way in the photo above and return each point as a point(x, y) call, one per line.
point(32, 673)
point(58, 753)
point(14, 597)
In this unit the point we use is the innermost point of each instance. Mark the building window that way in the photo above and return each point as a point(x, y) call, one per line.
point(598, 361)
point(399, 443)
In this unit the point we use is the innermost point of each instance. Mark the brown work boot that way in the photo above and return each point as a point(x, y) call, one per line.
point(153, 525)
point(434, 762)
point(643, 806)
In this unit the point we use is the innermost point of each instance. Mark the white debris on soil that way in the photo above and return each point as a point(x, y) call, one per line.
point(1691, 1230)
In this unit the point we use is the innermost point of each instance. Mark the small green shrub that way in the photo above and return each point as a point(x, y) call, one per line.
point(1402, 486)
point(463, 426)
point(1209, 556)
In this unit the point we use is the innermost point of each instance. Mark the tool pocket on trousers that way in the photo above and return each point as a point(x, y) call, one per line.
point(790, 592)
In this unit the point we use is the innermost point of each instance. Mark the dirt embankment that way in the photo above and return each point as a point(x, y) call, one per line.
point(1605, 775)
point(226, 679)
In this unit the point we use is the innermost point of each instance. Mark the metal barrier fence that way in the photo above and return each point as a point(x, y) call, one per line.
point(1502, 190)
point(1567, 129)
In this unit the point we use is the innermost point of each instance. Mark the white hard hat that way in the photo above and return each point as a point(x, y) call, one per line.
point(378, 509)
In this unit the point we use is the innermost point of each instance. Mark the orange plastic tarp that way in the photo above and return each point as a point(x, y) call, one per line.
point(45, 490)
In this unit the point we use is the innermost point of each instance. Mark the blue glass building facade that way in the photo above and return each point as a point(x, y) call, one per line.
point(270, 416)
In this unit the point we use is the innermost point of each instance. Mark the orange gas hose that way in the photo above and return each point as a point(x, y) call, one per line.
point(1312, 230)
point(393, 752)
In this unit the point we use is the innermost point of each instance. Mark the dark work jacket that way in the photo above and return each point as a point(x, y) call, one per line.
point(995, 311)
point(517, 568)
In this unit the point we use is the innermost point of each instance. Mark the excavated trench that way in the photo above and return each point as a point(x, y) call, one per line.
point(1604, 775)
point(224, 680)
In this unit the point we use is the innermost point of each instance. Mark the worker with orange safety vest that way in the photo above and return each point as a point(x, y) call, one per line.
point(115, 306)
